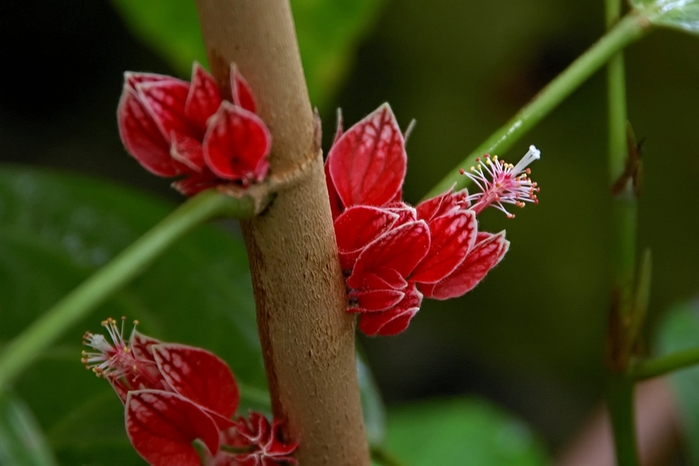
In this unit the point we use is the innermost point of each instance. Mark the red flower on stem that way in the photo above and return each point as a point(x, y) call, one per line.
point(177, 129)
point(175, 395)
point(394, 254)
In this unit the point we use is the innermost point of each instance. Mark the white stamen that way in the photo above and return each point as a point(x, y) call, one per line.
point(100, 343)
point(532, 154)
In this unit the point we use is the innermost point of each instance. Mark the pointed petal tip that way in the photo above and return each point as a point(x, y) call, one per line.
point(236, 144)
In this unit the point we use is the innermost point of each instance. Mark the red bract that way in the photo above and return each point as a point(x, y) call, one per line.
point(174, 395)
point(391, 253)
point(367, 163)
point(488, 251)
point(162, 426)
point(263, 441)
point(174, 128)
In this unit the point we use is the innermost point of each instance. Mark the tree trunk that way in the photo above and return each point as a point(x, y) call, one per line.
point(307, 337)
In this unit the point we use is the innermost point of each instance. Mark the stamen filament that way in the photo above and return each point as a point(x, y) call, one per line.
point(503, 183)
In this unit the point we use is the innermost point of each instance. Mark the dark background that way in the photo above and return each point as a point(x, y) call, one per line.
point(531, 336)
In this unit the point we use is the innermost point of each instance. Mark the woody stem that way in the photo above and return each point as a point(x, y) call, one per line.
point(307, 337)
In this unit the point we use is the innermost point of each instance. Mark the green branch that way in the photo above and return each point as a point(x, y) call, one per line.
point(628, 30)
point(663, 365)
point(620, 394)
point(28, 346)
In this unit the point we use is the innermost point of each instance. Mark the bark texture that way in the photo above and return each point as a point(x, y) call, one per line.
point(307, 337)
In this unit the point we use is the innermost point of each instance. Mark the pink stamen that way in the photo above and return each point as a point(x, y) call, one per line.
point(503, 183)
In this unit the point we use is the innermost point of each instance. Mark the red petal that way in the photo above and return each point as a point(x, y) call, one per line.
point(267, 448)
point(141, 345)
point(236, 144)
point(143, 138)
point(401, 249)
point(368, 162)
point(242, 94)
point(443, 204)
point(374, 300)
point(196, 183)
point(166, 100)
point(358, 226)
point(255, 428)
point(188, 151)
point(203, 98)
point(405, 212)
point(428, 209)
point(132, 78)
point(484, 256)
point(453, 235)
point(162, 426)
point(383, 279)
point(394, 320)
point(198, 375)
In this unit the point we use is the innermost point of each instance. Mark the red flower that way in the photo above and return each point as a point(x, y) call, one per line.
point(174, 128)
point(175, 394)
point(256, 443)
point(393, 254)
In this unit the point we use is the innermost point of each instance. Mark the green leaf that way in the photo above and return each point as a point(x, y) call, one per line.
point(170, 27)
point(679, 330)
point(678, 14)
point(328, 34)
point(57, 229)
point(21, 440)
point(465, 431)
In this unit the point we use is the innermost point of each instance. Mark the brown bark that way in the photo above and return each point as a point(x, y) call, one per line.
point(307, 338)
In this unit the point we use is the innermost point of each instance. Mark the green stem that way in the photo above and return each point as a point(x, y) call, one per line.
point(28, 346)
point(628, 30)
point(625, 211)
point(664, 364)
point(616, 98)
point(621, 388)
point(621, 410)
point(381, 456)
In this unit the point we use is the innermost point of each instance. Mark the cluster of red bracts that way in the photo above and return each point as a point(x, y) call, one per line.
point(394, 254)
point(177, 129)
point(175, 395)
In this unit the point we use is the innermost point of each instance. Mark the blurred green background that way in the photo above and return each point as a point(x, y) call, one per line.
point(531, 336)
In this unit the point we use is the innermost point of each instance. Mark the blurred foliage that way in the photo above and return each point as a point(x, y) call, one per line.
point(464, 432)
point(170, 27)
point(678, 331)
point(21, 440)
point(328, 34)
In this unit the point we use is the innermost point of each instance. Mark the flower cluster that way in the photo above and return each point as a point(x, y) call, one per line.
point(393, 254)
point(177, 129)
point(175, 395)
